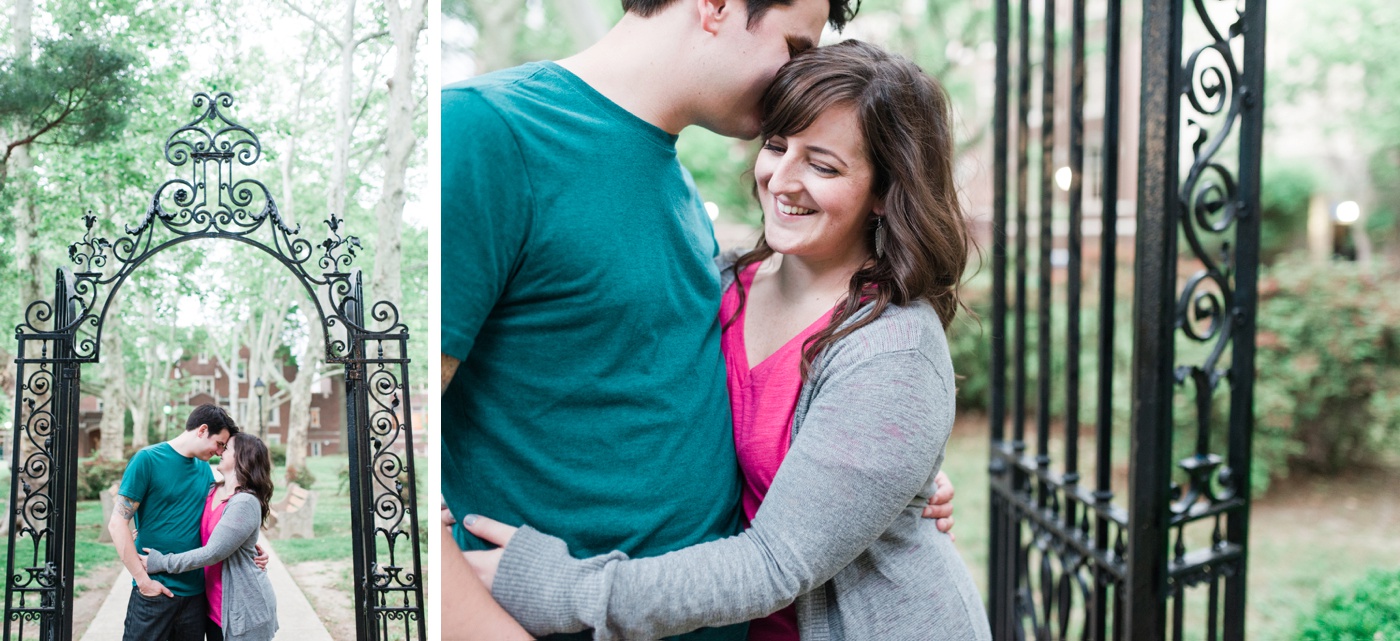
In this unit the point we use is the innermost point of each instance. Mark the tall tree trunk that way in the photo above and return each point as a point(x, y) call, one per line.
point(300, 394)
point(145, 405)
point(405, 25)
point(340, 171)
point(228, 357)
point(114, 390)
point(26, 214)
point(26, 219)
point(22, 41)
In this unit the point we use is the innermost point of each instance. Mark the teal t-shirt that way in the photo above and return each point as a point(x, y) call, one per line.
point(170, 488)
point(580, 293)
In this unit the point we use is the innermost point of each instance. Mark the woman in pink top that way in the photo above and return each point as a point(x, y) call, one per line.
point(841, 391)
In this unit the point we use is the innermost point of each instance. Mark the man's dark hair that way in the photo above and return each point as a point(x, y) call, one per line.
point(841, 10)
point(214, 416)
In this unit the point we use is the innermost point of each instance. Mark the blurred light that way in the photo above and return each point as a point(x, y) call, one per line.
point(534, 15)
point(1348, 212)
point(713, 210)
point(1063, 176)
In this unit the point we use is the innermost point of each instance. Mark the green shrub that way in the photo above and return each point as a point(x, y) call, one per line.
point(970, 341)
point(1366, 611)
point(1327, 382)
point(96, 475)
point(278, 452)
point(1283, 198)
point(1327, 389)
point(301, 476)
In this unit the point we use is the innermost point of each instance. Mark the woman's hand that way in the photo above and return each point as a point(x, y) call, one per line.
point(142, 558)
point(940, 505)
point(484, 564)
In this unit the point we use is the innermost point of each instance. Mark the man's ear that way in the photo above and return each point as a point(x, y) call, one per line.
point(202, 431)
point(713, 13)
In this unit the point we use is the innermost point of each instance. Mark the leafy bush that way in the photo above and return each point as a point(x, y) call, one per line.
point(1283, 199)
point(301, 476)
point(278, 452)
point(1327, 383)
point(96, 475)
point(1368, 610)
point(1327, 389)
point(970, 340)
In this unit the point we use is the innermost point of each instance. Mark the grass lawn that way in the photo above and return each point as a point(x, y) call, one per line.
point(331, 522)
point(323, 566)
point(88, 554)
point(1308, 535)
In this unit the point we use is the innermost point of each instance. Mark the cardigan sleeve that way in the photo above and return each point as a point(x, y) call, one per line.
point(871, 441)
point(241, 519)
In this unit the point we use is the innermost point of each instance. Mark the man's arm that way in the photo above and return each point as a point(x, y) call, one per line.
point(119, 527)
point(449, 369)
point(469, 613)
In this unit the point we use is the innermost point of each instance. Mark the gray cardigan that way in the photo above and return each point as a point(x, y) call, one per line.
point(840, 530)
point(250, 608)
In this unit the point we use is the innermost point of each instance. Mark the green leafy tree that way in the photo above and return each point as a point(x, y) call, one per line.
point(76, 92)
point(1346, 57)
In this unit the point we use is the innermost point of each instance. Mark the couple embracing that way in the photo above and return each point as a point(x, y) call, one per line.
point(715, 446)
point(195, 561)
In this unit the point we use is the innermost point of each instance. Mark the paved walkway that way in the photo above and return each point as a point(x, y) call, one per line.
point(296, 620)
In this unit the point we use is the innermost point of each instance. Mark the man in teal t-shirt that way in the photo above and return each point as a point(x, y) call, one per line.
point(584, 391)
point(163, 489)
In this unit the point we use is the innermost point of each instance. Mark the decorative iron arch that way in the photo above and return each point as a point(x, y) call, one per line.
point(57, 337)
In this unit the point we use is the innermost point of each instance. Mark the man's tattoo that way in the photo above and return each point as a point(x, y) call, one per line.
point(125, 507)
point(449, 369)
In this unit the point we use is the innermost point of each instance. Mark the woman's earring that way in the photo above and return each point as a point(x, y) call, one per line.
point(879, 236)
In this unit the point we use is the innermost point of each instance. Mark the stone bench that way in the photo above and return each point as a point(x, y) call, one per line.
point(292, 517)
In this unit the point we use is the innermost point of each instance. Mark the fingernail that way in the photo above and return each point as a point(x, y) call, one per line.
point(469, 520)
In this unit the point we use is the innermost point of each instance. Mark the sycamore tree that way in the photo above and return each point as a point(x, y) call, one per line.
point(287, 74)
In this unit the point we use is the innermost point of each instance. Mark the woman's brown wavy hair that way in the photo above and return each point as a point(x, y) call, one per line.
point(253, 465)
point(907, 128)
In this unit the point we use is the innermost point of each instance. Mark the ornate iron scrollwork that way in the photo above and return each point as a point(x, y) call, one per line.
point(1210, 206)
point(209, 200)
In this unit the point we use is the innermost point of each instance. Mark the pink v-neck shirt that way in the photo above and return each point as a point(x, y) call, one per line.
point(762, 399)
point(213, 574)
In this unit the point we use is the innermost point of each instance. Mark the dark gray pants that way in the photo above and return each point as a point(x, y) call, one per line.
point(163, 618)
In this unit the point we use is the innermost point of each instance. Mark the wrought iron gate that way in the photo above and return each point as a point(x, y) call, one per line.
point(57, 337)
point(1067, 559)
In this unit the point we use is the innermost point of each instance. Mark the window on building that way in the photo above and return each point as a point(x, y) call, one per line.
point(315, 417)
point(274, 416)
point(315, 447)
point(202, 385)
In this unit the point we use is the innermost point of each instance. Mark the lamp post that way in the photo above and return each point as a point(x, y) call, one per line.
point(259, 389)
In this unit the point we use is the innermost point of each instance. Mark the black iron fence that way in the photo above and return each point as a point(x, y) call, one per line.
point(56, 337)
point(1070, 558)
